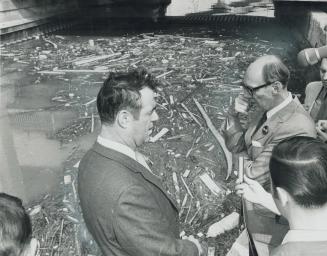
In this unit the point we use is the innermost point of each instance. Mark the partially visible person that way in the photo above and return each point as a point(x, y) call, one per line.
point(15, 228)
point(279, 116)
point(124, 204)
point(316, 100)
point(298, 169)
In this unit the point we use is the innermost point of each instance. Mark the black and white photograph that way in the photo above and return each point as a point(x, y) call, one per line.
point(163, 127)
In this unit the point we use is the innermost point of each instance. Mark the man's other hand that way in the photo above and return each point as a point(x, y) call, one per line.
point(241, 104)
point(322, 130)
point(251, 190)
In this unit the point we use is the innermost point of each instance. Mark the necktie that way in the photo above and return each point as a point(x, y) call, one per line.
point(322, 113)
point(262, 120)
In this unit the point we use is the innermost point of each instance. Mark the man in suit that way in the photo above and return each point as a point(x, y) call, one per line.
point(316, 101)
point(279, 116)
point(298, 170)
point(299, 177)
point(124, 205)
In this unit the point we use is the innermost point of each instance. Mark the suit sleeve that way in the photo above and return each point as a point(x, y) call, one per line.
point(143, 230)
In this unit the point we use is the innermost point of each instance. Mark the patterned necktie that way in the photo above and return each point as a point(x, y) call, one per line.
point(322, 114)
point(262, 120)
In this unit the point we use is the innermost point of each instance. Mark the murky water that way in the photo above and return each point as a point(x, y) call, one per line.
point(31, 153)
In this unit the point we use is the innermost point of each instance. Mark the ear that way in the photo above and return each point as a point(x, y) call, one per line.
point(123, 118)
point(283, 196)
point(277, 87)
point(31, 250)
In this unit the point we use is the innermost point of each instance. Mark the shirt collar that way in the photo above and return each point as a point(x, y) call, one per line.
point(121, 148)
point(305, 236)
point(274, 110)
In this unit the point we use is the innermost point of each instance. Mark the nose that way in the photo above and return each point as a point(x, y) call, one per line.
point(154, 116)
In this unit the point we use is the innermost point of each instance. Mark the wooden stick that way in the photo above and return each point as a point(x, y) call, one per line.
point(241, 168)
point(89, 102)
point(187, 188)
point(189, 209)
point(218, 136)
point(183, 205)
point(164, 74)
point(92, 123)
point(64, 71)
point(60, 236)
point(191, 114)
point(77, 244)
point(175, 180)
point(93, 59)
point(207, 79)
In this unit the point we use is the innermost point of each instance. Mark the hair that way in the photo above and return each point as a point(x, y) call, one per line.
point(15, 226)
point(299, 165)
point(121, 90)
point(275, 70)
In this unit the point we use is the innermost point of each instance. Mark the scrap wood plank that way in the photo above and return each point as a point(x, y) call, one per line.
point(94, 58)
point(208, 181)
point(218, 136)
point(64, 71)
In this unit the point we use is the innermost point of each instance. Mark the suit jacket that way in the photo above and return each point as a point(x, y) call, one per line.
point(125, 207)
point(301, 249)
point(266, 229)
point(311, 93)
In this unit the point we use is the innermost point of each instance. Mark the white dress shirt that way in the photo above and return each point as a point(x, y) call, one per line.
point(126, 150)
point(305, 236)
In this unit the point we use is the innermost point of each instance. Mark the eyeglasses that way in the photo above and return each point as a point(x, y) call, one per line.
point(251, 90)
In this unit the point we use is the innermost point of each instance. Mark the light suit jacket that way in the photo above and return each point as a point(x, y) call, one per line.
point(126, 209)
point(291, 121)
point(311, 93)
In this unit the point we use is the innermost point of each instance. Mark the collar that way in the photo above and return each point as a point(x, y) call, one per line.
point(274, 110)
point(121, 148)
point(305, 236)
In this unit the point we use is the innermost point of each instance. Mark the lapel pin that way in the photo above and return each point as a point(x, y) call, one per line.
point(265, 130)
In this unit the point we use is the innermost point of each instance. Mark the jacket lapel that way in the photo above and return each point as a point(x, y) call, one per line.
point(134, 166)
point(313, 96)
point(258, 140)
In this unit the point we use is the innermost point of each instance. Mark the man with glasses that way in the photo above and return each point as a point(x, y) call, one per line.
point(278, 116)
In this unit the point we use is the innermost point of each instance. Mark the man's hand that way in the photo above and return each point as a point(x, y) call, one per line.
point(242, 104)
point(252, 191)
point(201, 248)
point(322, 130)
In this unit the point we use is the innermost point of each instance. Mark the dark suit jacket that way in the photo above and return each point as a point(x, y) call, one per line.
point(312, 91)
point(125, 207)
point(301, 249)
point(292, 120)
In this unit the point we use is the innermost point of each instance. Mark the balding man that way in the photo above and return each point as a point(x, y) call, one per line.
point(279, 116)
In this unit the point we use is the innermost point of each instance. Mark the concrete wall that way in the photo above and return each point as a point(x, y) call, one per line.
point(21, 14)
